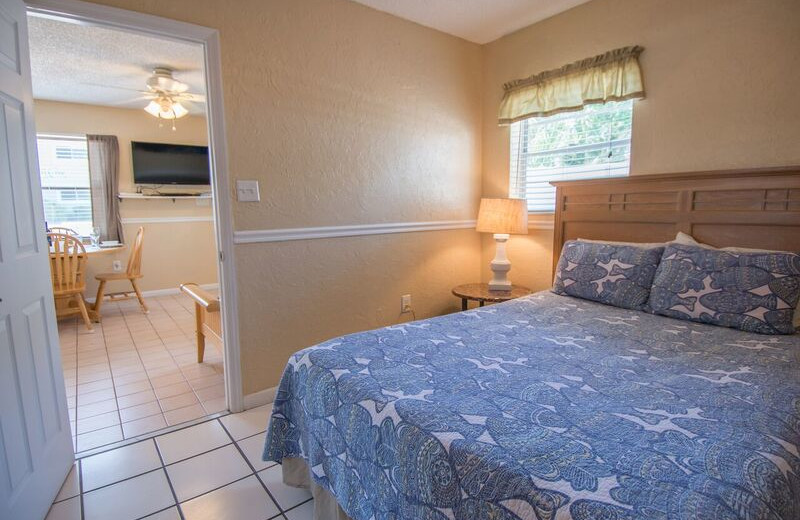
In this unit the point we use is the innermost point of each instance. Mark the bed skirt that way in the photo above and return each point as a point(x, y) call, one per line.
point(297, 474)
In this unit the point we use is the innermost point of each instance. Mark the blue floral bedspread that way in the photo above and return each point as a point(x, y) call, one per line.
point(547, 407)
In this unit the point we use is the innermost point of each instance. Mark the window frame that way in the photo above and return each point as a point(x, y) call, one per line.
point(519, 184)
point(84, 227)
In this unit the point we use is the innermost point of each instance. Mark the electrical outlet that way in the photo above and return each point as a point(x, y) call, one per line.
point(405, 303)
point(116, 266)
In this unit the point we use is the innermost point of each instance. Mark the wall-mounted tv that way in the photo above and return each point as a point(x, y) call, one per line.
point(158, 163)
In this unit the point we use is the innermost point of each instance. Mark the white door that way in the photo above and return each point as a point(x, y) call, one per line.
point(35, 442)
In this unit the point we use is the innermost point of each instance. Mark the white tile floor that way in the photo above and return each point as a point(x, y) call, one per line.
point(209, 471)
point(137, 373)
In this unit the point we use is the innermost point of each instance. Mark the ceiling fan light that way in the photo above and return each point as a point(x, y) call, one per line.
point(153, 108)
point(179, 110)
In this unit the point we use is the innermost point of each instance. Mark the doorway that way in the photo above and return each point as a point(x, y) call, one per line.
point(36, 444)
point(139, 371)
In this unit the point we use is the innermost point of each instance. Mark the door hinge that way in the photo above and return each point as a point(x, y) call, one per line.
point(221, 256)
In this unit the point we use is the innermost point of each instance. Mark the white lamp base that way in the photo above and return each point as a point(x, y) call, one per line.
point(500, 265)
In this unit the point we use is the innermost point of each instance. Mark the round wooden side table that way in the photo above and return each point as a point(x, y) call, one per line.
point(480, 293)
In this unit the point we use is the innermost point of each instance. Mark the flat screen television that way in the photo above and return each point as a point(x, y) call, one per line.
point(157, 163)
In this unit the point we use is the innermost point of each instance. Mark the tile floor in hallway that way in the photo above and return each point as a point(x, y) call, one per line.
point(137, 373)
point(210, 471)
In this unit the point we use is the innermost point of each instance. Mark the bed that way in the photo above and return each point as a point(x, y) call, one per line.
point(551, 407)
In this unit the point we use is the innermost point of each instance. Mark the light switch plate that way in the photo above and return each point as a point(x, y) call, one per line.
point(247, 191)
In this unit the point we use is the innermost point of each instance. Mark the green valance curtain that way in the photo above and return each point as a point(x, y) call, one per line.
point(613, 76)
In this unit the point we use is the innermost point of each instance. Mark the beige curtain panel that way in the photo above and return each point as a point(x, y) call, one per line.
point(613, 76)
point(104, 180)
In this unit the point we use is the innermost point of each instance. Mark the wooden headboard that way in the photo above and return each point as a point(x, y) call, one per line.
point(757, 208)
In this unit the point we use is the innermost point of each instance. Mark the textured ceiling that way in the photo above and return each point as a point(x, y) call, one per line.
point(84, 64)
point(479, 21)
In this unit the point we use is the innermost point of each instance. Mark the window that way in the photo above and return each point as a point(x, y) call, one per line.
point(64, 167)
point(591, 143)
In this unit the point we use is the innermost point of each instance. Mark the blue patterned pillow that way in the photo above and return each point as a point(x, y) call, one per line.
point(613, 274)
point(756, 292)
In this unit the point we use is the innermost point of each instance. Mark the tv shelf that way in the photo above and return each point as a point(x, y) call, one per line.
point(173, 196)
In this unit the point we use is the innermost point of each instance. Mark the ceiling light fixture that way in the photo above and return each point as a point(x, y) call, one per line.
point(167, 93)
point(165, 107)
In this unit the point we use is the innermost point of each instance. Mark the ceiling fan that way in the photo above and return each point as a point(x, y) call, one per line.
point(166, 94)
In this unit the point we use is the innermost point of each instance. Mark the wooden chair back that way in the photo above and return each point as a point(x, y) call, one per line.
point(67, 263)
point(135, 259)
point(63, 230)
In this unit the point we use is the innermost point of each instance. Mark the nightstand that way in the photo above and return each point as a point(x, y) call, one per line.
point(480, 293)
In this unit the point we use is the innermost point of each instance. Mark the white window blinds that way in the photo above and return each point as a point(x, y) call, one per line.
point(64, 168)
point(589, 143)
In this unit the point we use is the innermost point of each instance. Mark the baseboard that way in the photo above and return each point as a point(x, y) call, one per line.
point(171, 290)
point(260, 398)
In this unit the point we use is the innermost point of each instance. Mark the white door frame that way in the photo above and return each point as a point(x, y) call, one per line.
point(141, 23)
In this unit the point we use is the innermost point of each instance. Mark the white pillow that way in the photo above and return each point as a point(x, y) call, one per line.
point(689, 240)
point(646, 245)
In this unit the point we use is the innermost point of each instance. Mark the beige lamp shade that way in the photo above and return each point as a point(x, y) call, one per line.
point(503, 216)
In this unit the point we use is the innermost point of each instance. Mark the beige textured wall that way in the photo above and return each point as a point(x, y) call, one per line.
point(350, 116)
point(346, 116)
point(174, 252)
point(721, 79)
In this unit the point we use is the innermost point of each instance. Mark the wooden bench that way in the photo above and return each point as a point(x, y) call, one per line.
point(207, 317)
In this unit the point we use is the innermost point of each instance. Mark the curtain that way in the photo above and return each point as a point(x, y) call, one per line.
point(613, 76)
point(104, 179)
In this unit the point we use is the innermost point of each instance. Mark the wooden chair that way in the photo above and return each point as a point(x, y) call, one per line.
point(208, 323)
point(64, 231)
point(68, 274)
point(132, 273)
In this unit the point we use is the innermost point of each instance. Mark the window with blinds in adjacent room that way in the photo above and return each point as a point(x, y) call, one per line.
point(594, 142)
point(64, 167)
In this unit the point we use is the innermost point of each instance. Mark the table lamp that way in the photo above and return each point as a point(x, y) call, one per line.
point(502, 217)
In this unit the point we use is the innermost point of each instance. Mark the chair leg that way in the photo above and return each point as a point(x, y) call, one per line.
point(84, 312)
point(201, 339)
point(98, 301)
point(139, 295)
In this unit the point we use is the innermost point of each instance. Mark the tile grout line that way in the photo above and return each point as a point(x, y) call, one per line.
point(148, 515)
point(75, 429)
point(151, 435)
point(204, 493)
point(163, 467)
point(172, 358)
point(188, 337)
point(144, 366)
point(169, 480)
point(113, 384)
point(304, 502)
point(247, 461)
point(104, 486)
point(197, 397)
point(113, 389)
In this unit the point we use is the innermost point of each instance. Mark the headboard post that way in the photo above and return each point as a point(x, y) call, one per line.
point(558, 228)
point(756, 208)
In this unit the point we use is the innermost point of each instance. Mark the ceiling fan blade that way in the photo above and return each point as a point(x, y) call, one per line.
point(112, 86)
point(137, 99)
point(189, 96)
